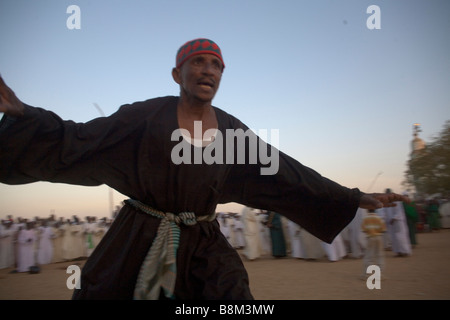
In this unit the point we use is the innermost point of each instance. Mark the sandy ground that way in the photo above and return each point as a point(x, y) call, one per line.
point(423, 276)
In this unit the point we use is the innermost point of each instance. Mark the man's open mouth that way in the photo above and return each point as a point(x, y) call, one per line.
point(208, 84)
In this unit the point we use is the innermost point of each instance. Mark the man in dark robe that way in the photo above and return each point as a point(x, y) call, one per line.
point(165, 241)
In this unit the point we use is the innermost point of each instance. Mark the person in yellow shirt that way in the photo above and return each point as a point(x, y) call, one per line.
point(374, 227)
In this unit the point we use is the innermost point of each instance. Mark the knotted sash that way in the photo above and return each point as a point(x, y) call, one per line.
point(159, 268)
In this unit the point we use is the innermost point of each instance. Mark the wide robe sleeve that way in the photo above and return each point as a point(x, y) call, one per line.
point(40, 146)
point(321, 206)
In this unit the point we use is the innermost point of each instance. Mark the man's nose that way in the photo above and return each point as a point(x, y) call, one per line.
point(208, 68)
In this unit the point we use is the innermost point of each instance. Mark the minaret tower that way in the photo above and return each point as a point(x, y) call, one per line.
point(417, 143)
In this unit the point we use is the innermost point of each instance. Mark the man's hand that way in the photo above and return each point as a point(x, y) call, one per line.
point(9, 103)
point(380, 200)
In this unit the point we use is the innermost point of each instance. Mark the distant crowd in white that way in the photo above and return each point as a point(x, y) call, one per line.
point(252, 231)
point(26, 243)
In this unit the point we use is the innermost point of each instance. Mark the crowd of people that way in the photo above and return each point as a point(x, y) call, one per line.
point(27, 244)
point(259, 233)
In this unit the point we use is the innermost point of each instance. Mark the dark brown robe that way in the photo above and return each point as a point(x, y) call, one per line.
point(130, 151)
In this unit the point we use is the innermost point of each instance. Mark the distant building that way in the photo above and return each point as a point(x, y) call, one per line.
point(417, 147)
point(417, 144)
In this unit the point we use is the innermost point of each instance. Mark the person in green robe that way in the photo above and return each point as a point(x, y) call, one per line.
point(412, 218)
point(276, 234)
point(433, 217)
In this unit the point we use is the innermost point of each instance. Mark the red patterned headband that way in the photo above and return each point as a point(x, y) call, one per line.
point(197, 46)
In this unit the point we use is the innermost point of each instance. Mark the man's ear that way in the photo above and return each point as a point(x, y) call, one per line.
point(176, 75)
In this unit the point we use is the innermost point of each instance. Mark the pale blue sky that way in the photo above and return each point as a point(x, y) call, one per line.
point(343, 97)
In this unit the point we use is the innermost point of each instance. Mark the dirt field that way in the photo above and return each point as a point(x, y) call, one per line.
point(423, 276)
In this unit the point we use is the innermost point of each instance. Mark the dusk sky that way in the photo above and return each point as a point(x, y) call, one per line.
point(343, 96)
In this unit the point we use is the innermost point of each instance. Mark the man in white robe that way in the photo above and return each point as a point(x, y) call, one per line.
point(7, 256)
point(58, 233)
point(45, 248)
point(312, 247)
point(264, 232)
point(16, 226)
point(25, 248)
point(297, 250)
point(224, 227)
point(387, 243)
point(73, 243)
point(444, 211)
point(335, 250)
point(253, 248)
point(287, 239)
point(89, 229)
point(354, 236)
point(398, 229)
point(66, 245)
point(100, 231)
point(79, 239)
point(230, 224)
point(238, 232)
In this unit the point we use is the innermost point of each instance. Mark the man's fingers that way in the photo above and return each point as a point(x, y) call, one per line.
point(389, 204)
point(370, 202)
point(389, 199)
point(380, 200)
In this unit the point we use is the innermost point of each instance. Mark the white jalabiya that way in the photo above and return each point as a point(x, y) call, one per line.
point(79, 240)
point(45, 248)
point(397, 228)
point(239, 233)
point(264, 234)
point(73, 242)
point(58, 233)
point(99, 232)
point(89, 230)
point(253, 248)
point(25, 250)
point(335, 250)
point(294, 230)
point(66, 242)
point(232, 236)
point(387, 243)
point(287, 239)
point(222, 218)
point(354, 236)
point(312, 246)
point(7, 256)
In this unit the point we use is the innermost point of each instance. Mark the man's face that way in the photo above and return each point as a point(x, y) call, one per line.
point(199, 77)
